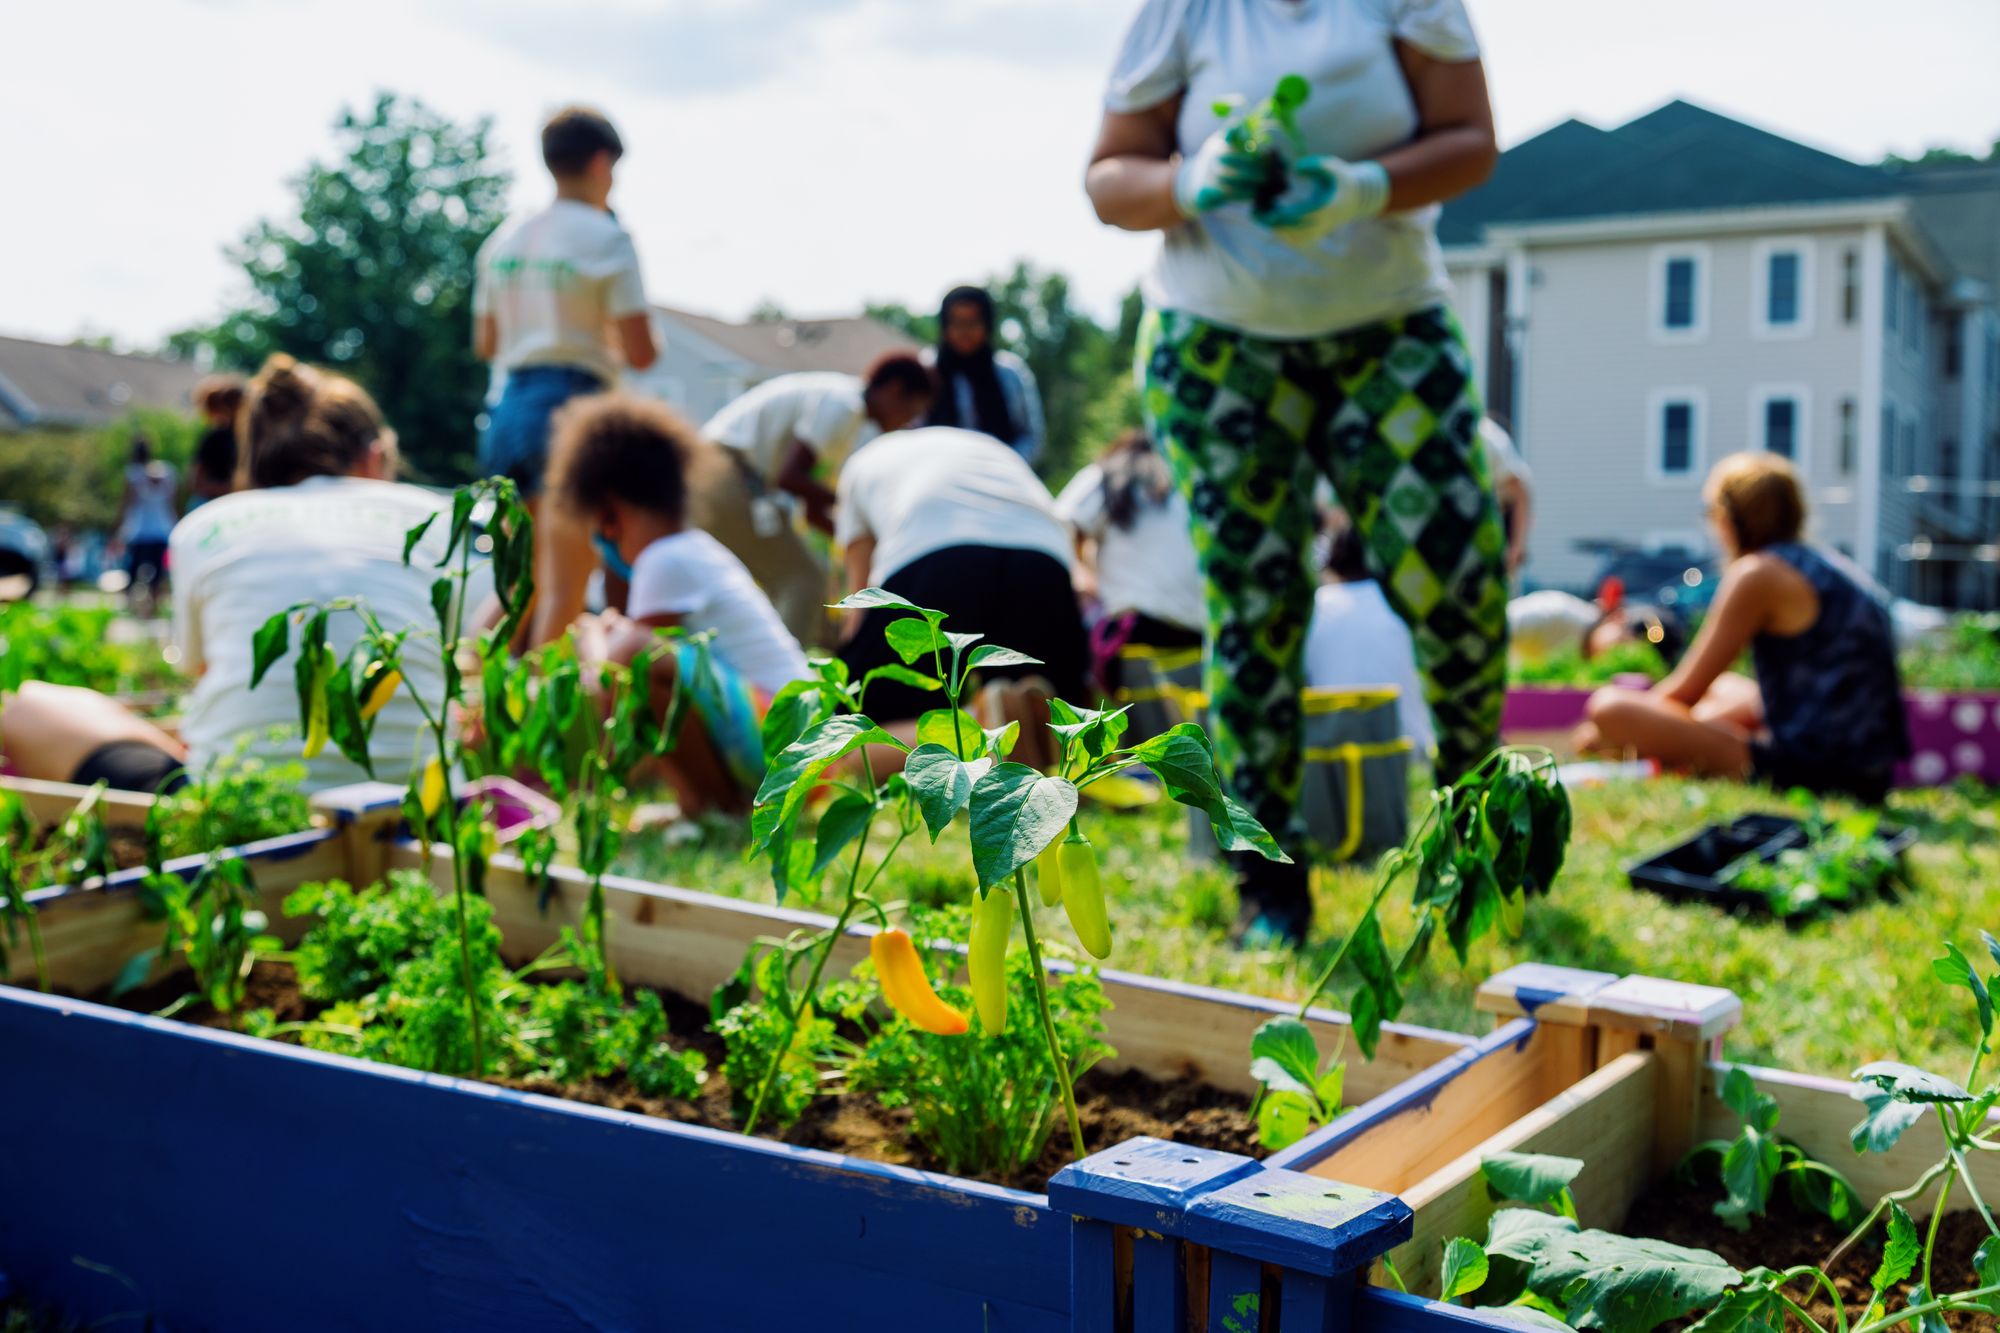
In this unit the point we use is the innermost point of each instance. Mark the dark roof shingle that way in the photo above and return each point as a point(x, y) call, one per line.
point(54, 384)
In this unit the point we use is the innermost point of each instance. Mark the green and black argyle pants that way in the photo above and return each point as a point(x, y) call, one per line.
point(1389, 415)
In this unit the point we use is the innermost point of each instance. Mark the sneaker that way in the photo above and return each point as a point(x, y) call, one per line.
point(1276, 903)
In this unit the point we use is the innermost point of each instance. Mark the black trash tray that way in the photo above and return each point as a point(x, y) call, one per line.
point(1698, 869)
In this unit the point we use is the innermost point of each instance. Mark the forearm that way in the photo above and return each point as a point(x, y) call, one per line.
point(1442, 164)
point(1134, 192)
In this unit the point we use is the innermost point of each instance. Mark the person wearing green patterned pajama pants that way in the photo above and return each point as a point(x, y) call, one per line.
point(1389, 414)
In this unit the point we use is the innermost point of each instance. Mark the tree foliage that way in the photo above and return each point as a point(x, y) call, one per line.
point(373, 277)
point(76, 477)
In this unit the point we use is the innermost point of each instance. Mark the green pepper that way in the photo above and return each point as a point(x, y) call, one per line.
point(1083, 896)
point(1048, 869)
point(992, 927)
point(317, 728)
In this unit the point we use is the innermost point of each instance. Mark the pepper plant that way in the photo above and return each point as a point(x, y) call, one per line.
point(1015, 816)
point(1484, 846)
point(77, 849)
point(338, 699)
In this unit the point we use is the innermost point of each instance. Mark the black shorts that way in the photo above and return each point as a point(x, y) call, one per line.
point(1018, 599)
point(1782, 769)
point(131, 766)
point(146, 562)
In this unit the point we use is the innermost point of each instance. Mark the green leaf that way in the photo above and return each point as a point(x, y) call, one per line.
point(1183, 764)
point(870, 599)
point(1284, 1055)
point(902, 675)
point(966, 741)
point(271, 641)
point(345, 725)
point(416, 534)
point(993, 655)
point(1464, 1269)
point(133, 975)
point(1900, 1253)
point(1237, 830)
point(1955, 969)
point(441, 589)
point(1817, 1186)
point(1986, 1263)
point(1514, 1237)
point(798, 767)
point(1907, 1083)
point(941, 784)
point(1530, 1178)
point(914, 639)
point(1612, 1282)
point(843, 822)
point(1992, 946)
point(1016, 812)
point(1749, 1169)
point(1757, 1109)
point(1885, 1123)
point(1752, 1308)
point(462, 501)
point(796, 706)
point(1283, 1118)
point(1330, 1088)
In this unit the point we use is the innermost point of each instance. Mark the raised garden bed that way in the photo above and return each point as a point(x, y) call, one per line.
point(456, 1202)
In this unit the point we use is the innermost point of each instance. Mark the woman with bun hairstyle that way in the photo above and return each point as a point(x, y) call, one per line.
point(1826, 709)
point(322, 517)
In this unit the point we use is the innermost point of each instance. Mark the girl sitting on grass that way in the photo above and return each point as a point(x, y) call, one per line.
point(619, 465)
point(1826, 709)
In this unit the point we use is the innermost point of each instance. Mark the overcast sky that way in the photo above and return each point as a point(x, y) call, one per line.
point(814, 152)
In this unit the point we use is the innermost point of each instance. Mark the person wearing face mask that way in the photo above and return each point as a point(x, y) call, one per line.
point(784, 442)
point(622, 466)
point(982, 387)
point(1305, 335)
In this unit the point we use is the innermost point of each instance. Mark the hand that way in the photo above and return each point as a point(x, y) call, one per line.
point(1217, 174)
point(1326, 192)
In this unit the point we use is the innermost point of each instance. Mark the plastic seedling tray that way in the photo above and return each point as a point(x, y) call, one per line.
point(1699, 869)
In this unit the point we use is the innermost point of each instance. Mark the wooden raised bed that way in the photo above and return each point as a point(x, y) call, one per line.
point(340, 1194)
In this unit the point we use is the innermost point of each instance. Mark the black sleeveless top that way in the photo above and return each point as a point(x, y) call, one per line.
point(1831, 695)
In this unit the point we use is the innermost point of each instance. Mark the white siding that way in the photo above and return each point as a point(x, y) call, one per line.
point(1599, 366)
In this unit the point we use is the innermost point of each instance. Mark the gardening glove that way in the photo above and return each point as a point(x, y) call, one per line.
point(1326, 192)
point(1218, 173)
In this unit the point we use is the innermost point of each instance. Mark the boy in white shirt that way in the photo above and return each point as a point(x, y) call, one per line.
point(619, 467)
point(550, 287)
point(784, 442)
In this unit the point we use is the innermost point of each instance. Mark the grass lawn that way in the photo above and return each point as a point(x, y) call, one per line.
point(1822, 998)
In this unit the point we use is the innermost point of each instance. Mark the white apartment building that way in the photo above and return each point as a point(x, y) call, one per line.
point(1645, 300)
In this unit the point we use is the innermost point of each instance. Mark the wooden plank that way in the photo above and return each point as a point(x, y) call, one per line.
point(467, 1205)
point(1679, 1100)
point(1820, 1113)
point(1542, 991)
point(90, 934)
point(51, 802)
point(1434, 1122)
point(692, 942)
point(1376, 1310)
point(1607, 1120)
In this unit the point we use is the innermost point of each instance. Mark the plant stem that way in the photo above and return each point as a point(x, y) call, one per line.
point(1964, 1300)
point(1881, 1204)
point(1937, 1218)
point(1800, 1311)
point(812, 979)
point(1063, 1079)
point(35, 942)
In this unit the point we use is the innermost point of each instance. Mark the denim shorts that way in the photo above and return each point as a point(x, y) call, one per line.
point(515, 442)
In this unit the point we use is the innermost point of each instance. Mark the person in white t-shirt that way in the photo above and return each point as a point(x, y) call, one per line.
point(784, 442)
point(620, 465)
point(1356, 640)
point(955, 521)
point(552, 287)
point(1299, 323)
point(321, 519)
point(1135, 558)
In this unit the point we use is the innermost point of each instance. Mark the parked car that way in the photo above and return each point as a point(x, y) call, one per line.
point(24, 555)
point(1667, 578)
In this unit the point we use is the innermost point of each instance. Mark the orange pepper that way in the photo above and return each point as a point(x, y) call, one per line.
point(907, 989)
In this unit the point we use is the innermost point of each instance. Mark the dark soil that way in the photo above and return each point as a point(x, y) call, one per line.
point(1112, 1107)
point(127, 846)
point(1683, 1215)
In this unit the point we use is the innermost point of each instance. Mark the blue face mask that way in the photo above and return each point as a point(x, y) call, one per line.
point(614, 563)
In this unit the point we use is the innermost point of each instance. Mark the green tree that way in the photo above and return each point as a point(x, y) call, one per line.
point(374, 275)
point(77, 477)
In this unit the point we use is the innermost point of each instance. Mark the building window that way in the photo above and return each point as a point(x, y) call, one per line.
point(1675, 434)
point(1781, 298)
point(1850, 285)
point(1680, 296)
point(1781, 427)
point(1782, 283)
point(1849, 444)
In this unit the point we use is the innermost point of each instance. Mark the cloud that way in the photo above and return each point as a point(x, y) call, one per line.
point(1039, 34)
point(682, 47)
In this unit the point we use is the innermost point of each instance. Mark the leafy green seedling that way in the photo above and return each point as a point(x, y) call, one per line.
point(1300, 1093)
point(1757, 1160)
point(1269, 133)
